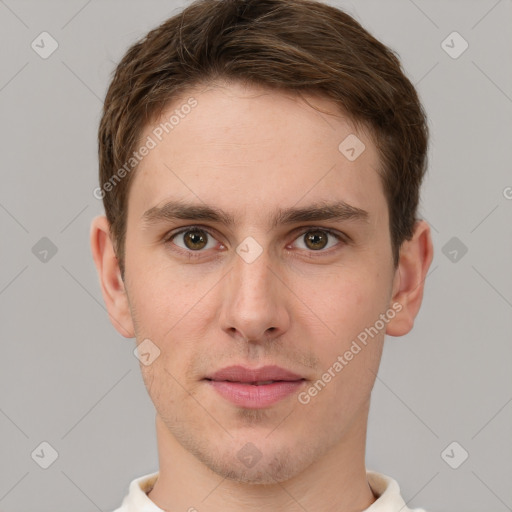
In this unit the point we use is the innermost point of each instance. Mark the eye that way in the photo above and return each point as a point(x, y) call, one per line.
point(193, 239)
point(318, 239)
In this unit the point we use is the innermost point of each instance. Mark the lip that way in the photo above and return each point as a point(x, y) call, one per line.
point(237, 384)
point(247, 375)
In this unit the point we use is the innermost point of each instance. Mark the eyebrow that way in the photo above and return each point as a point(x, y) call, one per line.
point(320, 211)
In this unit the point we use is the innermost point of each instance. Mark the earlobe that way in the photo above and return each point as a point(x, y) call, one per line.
point(409, 281)
point(112, 286)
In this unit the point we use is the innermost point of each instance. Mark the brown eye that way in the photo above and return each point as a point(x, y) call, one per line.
point(192, 240)
point(195, 239)
point(316, 239)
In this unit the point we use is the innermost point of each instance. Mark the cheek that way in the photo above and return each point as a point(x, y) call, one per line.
point(161, 293)
point(347, 300)
point(174, 308)
point(350, 357)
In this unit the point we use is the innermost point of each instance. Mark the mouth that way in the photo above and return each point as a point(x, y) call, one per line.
point(261, 383)
point(254, 376)
point(255, 388)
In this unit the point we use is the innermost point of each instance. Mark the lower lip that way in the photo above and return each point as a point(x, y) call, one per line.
point(255, 397)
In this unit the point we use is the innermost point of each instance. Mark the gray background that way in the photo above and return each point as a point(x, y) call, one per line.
point(67, 377)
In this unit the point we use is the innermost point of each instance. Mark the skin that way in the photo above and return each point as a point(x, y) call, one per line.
point(249, 151)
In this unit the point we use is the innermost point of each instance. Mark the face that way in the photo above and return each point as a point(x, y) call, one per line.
point(279, 256)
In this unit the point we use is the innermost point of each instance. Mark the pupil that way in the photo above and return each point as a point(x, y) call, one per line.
point(195, 238)
point(315, 238)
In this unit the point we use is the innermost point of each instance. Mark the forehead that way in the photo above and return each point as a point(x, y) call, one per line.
point(246, 148)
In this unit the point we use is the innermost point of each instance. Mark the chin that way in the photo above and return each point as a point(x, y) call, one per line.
point(264, 473)
point(251, 455)
point(277, 464)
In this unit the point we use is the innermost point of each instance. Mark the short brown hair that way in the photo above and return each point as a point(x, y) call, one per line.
point(293, 45)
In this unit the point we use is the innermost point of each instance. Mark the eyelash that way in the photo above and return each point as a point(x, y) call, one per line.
point(198, 254)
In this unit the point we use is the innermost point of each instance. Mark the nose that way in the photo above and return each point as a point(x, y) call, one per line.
point(255, 305)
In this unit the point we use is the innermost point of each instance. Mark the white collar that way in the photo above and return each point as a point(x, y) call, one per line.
point(385, 487)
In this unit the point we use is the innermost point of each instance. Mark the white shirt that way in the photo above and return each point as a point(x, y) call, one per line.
point(387, 490)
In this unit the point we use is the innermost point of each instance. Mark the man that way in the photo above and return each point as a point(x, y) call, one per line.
point(260, 167)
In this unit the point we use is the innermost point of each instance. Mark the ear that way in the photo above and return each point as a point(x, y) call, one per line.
point(409, 280)
point(112, 285)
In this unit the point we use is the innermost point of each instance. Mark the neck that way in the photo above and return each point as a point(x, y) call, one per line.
point(334, 482)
